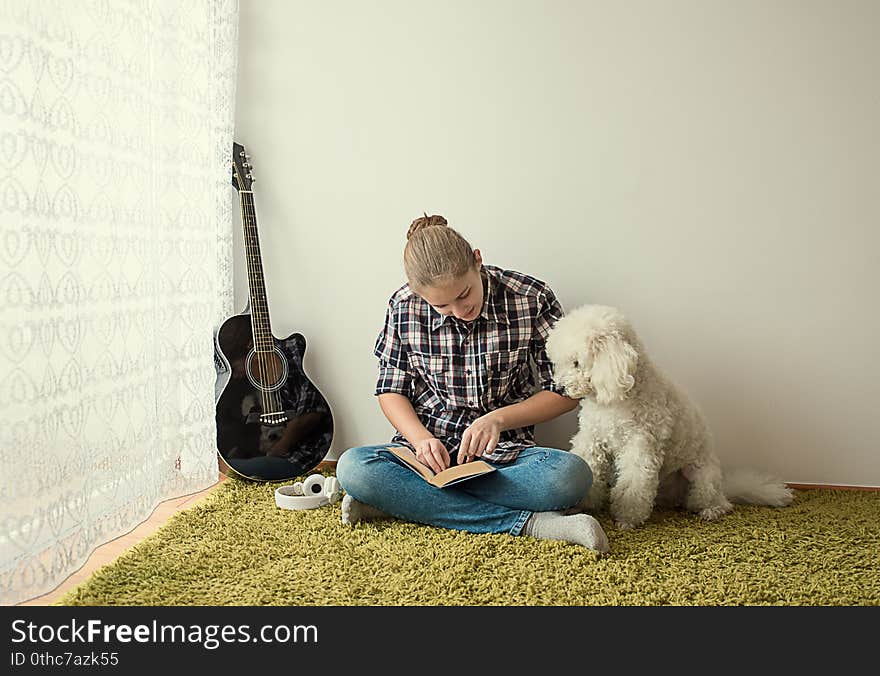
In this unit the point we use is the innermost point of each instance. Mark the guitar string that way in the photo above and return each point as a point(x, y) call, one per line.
point(265, 341)
point(268, 360)
point(251, 271)
point(273, 359)
point(247, 246)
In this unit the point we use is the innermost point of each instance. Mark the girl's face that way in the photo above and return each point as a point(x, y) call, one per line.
point(461, 297)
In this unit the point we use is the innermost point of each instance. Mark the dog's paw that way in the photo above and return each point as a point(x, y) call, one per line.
point(712, 513)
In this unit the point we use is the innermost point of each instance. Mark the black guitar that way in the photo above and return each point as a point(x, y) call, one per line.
point(273, 424)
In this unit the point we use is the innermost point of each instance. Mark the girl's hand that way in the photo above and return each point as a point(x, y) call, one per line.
point(433, 453)
point(481, 437)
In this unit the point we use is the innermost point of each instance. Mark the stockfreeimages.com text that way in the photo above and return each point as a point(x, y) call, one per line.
point(210, 636)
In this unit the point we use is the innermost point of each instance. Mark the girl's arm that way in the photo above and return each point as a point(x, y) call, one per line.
point(540, 407)
point(400, 413)
point(483, 434)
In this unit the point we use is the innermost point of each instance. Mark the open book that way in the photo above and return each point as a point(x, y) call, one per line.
point(449, 476)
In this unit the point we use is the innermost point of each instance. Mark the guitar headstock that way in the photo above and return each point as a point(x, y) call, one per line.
point(242, 169)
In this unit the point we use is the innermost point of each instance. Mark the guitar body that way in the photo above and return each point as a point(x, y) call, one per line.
point(273, 423)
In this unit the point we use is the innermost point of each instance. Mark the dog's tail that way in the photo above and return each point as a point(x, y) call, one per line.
point(753, 487)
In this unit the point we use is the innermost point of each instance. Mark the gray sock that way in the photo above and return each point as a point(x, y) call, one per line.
point(581, 529)
point(354, 511)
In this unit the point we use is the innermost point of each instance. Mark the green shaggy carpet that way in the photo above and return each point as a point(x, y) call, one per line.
point(235, 547)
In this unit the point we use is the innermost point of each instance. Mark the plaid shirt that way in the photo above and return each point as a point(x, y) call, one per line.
point(453, 371)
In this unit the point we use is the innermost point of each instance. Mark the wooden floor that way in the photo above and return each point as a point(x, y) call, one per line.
point(108, 552)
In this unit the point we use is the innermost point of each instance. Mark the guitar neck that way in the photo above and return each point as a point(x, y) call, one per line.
point(263, 341)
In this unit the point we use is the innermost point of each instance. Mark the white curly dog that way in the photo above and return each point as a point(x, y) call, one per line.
point(643, 438)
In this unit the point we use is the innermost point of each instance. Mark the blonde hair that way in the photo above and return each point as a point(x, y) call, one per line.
point(435, 252)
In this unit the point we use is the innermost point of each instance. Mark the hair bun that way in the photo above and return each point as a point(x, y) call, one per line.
point(425, 222)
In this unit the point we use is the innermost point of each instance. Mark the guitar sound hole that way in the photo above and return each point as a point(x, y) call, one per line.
point(267, 370)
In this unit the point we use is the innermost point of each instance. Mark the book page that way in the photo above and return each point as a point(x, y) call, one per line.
point(410, 459)
point(450, 474)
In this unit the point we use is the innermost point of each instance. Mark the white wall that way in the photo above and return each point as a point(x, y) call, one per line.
point(710, 167)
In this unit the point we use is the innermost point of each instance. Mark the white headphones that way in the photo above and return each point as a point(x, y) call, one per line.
point(315, 491)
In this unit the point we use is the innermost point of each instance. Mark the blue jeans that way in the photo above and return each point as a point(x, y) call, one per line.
point(539, 480)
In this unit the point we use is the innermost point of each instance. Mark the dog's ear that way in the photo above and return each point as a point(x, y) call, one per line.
point(614, 364)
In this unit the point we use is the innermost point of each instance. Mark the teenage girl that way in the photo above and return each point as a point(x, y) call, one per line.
point(463, 374)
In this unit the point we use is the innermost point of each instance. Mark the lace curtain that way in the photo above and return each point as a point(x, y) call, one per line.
point(116, 124)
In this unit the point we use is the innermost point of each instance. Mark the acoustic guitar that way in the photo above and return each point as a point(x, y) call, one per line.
point(273, 423)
